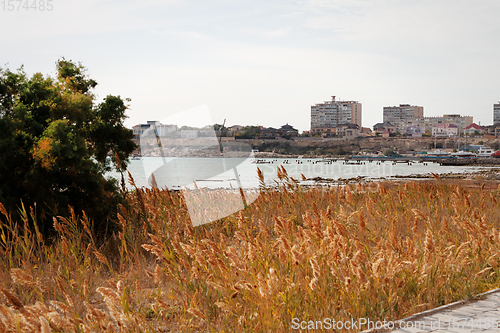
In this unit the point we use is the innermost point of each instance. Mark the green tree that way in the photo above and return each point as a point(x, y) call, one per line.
point(391, 152)
point(55, 141)
point(251, 130)
point(217, 127)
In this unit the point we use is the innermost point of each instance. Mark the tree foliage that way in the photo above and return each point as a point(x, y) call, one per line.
point(55, 140)
point(251, 131)
point(391, 153)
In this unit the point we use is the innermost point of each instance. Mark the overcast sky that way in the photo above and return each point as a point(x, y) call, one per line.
point(266, 62)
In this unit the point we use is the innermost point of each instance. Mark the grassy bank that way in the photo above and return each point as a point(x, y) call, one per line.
point(377, 251)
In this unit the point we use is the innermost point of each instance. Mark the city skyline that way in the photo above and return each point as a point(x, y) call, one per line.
point(267, 63)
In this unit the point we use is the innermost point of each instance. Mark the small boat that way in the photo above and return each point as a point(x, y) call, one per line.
point(485, 152)
point(438, 152)
point(463, 153)
point(261, 162)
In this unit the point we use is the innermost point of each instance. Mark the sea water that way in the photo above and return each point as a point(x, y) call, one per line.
point(185, 172)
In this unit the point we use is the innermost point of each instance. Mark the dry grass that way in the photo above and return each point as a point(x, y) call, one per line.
point(375, 251)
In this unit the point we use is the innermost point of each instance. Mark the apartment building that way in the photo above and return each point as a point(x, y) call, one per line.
point(428, 123)
point(161, 129)
point(403, 116)
point(332, 113)
point(496, 113)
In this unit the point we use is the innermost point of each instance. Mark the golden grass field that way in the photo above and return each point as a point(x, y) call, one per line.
point(375, 250)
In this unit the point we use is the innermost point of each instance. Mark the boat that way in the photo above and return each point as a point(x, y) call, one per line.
point(485, 152)
point(438, 152)
point(260, 161)
point(463, 153)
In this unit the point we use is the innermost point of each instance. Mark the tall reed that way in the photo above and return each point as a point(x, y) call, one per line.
point(375, 250)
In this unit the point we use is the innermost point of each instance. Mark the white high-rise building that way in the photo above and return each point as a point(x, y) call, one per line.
point(403, 116)
point(332, 113)
point(496, 113)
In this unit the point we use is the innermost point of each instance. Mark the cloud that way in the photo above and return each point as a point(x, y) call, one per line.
point(185, 35)
point(265, 61)
point(269, 34)
point(79, 18)
point(399, 20)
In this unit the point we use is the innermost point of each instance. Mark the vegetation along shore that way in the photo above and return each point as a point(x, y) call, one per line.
point(373, 250)
point(80, 252)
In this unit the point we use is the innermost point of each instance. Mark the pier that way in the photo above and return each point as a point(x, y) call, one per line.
point(409, 160)
point(445, 161)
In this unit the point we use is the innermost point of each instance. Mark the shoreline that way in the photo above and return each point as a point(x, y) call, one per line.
point(477, 178)
point(490, 179)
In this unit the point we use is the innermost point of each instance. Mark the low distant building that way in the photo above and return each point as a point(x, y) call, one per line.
point(385, 127)
point(235, 128)
point(285, 130)
point(414, 131)
point(323, 130)
point(445, 130)
point(365, 131)
point(288, 130)
point(455, 119)
point(270, 132)
point(347, 131)
point(493, 130)
point(189, 133)
point(474, 129)
point(162, 130)
point(139, 129)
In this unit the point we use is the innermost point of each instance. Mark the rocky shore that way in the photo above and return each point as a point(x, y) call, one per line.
point(479, 161)
point(490, 177)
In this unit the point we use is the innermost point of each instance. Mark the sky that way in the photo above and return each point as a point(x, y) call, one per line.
point(256, 62)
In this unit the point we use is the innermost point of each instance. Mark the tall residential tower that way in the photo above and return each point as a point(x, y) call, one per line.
point(332, 113)
point(496, 113)
point(402, 116)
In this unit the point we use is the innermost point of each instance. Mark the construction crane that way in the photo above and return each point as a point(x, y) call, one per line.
point(220, 136)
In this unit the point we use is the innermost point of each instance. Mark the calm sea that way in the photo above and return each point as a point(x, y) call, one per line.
point(177, 173)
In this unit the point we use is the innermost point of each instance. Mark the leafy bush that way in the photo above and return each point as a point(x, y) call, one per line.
point(55, 141)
